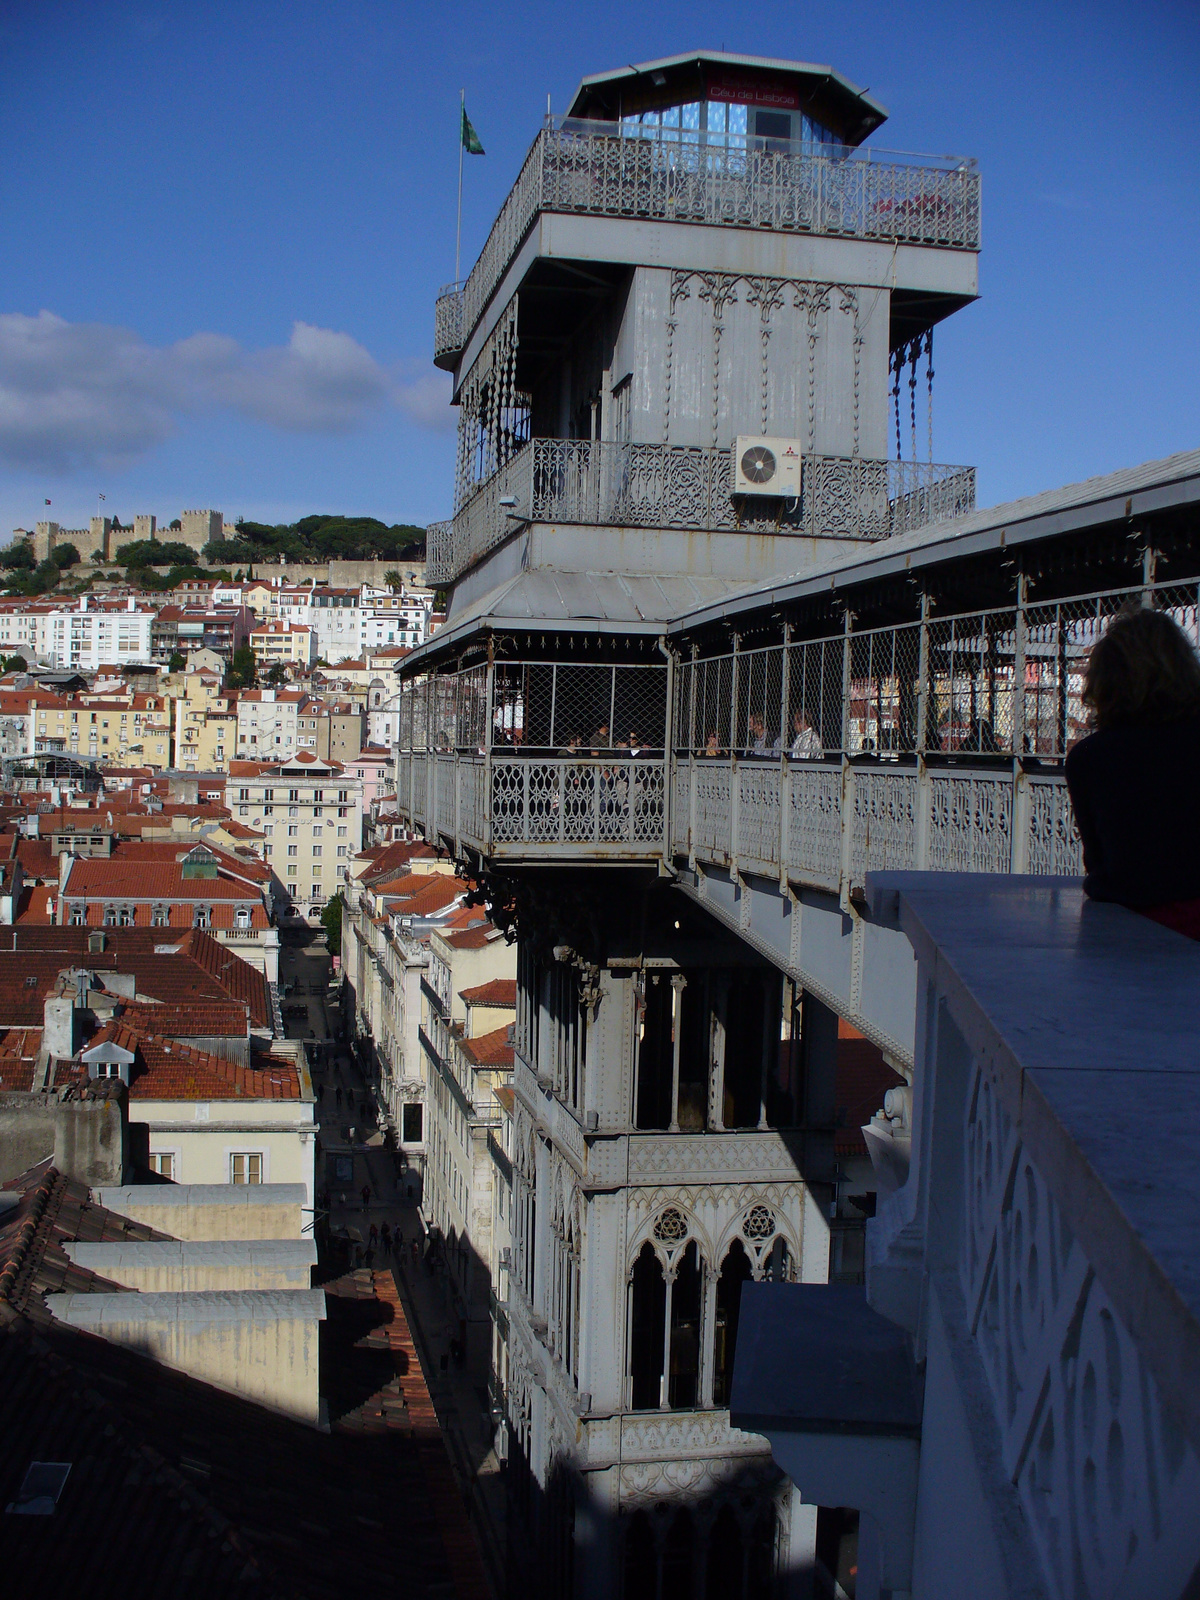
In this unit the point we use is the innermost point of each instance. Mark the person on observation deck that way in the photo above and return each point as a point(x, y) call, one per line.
point(1135, 779)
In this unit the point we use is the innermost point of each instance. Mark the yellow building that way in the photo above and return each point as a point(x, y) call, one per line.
point(120, 730)
point(283, 644)
point(205, 724)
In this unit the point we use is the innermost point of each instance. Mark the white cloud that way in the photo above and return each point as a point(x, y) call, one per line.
point(424, 396)
point(82, 394)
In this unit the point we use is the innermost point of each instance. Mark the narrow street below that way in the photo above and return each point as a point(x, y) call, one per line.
point(352, 1154)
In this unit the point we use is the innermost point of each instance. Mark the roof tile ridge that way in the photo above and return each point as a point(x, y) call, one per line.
point(27, 1232)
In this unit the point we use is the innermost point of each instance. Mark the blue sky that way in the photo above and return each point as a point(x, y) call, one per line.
point(225, 225)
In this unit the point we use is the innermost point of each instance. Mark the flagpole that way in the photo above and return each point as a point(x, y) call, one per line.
point(462, 111)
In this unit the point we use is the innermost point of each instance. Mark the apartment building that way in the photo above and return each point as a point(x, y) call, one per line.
point(90, 633)
point(331, 728)
point(390, 618)
point(309, 812)
point(206, 724)
point(334, 615)
point(394, 896)
point(468, 1008)
point(269, 723)
point(133, 730)
point(186, 629)
point(284, 644)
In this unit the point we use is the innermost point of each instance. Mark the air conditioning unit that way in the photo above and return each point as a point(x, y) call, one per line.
point(767, 467)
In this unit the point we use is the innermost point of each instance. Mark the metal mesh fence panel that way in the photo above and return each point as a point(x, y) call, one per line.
point(884, 690)
point(815, 698)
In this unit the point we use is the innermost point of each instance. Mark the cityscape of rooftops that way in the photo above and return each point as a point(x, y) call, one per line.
point(599, 722)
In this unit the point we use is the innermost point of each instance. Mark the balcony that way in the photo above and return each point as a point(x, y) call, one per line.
point(610, 484)
point(537, 808)
point(592, 170)
point(1037, 1267)
point(448, 323)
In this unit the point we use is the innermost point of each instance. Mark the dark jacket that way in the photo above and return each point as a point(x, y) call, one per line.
point(1136, 793)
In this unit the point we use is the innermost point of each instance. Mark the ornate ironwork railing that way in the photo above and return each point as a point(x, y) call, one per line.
point(829, 824)
point(540, 807)
point(448, 321)
point(862, 195)
point(593, 482)
point(931, 745)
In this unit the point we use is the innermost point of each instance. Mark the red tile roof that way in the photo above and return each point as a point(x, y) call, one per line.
point(37, 859)
point(166, 967)
point(165, 1069)
point(19, 1049)
point(499, 992)
point(473, 938)
point(122, 878)
point(489, 1049)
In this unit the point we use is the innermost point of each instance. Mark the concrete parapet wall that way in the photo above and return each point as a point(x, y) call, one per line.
point(261, 1344)
point(213, 1211)
point(156, 1266)
point(26, 1132)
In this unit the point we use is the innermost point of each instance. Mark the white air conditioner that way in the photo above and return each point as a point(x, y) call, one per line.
point(766, 467)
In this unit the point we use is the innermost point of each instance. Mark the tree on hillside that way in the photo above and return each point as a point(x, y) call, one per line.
point(242, 669)
point(14, 664)
point(177, 662)
point(393, 579)
point(276, 674)
point(64, 556)
point(18, 556)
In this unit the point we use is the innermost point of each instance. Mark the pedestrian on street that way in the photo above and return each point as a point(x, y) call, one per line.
point(366, 1195)
point(416, 1252)
point(368, 1256)
point(342, 1199)
point(399, 1238)
point(320, 1093)
point(385, 1239)
point(337, 1095)
point(373, 1234)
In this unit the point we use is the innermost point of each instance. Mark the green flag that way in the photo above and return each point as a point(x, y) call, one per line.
point(470, 139)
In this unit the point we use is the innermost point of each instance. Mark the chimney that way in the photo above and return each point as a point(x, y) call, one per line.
point(63, 1032)
point(91, 1133)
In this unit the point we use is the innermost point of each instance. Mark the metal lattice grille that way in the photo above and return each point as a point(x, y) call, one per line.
point(872, 196)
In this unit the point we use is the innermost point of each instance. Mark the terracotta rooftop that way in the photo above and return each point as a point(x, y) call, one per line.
point(489, 1049)
point(499, 992)
point(165, 1069)
point(477, 937)
point(19, 1048)
point(178, 970)
point(146, 878)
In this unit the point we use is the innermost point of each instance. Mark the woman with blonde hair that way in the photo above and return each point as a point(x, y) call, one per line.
point(1135, 780)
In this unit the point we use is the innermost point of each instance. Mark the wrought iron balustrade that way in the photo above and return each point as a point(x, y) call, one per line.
point(616, 484)
point(933, 745)
point(448, 321)
point(827, 825)
point(846, 194)
point(534, 807)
